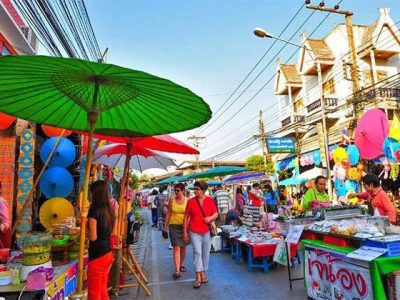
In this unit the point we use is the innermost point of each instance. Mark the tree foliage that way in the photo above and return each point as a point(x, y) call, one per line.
point(256, 162)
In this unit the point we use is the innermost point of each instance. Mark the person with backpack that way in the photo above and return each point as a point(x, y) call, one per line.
point(271, 199)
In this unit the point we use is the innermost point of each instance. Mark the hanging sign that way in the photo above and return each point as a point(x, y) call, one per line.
point(330, 275)
point(281, 145)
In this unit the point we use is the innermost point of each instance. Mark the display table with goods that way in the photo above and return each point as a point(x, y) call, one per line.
point(349, 256)
point(257, 246)
point(47, 263)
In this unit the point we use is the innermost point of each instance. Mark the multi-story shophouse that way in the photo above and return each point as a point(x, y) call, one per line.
point(299, 91)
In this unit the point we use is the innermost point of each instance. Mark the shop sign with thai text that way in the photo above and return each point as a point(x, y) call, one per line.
point(281, 145)
point(330, 275)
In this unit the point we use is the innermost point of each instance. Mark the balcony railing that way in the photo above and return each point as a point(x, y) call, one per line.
point(373, 93)
point(293, 119)
point(329, 103)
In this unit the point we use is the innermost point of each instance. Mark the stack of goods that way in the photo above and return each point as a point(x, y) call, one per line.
point(357, 227)
point(74, 235)
point(251, 215)
point(234, 231)
point(261, 237)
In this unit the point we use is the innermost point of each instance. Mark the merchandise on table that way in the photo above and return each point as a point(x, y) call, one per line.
point(36, 249)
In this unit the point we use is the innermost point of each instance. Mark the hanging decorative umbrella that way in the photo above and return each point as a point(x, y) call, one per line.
point(246, 176)
point(371, 131)
point(54, 131)
point(54, 211)
point(56, 182)
point(63, 156)
point(103, 98)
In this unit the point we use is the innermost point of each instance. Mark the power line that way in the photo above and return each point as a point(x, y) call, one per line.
point(247, 76)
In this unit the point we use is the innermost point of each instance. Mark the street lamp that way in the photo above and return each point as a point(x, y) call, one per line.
point(261, 33)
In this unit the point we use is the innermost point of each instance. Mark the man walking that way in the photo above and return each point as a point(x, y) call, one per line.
point(223, 201)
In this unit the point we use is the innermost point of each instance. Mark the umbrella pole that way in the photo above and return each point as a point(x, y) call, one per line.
point(124, 185)
point(92, 118)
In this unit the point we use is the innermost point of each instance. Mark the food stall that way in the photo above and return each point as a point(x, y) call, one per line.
point(348, 255)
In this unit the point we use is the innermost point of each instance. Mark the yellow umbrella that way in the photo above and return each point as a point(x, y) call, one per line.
point(54, 211)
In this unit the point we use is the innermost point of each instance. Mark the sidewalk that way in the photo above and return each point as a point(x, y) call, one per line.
point(226, 279)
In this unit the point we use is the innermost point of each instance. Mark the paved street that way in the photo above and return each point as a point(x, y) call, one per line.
point(226, 279)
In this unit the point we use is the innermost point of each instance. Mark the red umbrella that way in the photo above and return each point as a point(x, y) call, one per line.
point(164, 143)
point(371, 131)
point(119, 148)
point(6, 121)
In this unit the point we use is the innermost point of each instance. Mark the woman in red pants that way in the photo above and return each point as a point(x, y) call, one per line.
point(101, 225)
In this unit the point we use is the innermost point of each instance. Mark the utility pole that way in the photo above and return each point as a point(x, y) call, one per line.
point(352, 48)
point(263, 138)
point(196, 143)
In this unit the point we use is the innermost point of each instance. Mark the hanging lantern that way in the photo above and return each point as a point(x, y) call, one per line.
point(354, 154)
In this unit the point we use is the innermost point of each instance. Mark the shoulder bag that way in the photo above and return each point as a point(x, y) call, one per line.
point(213, 226)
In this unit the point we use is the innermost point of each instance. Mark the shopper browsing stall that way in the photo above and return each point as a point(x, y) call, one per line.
point(271, 199)
point(256, 196)
point(101, 225)
point(317, 197)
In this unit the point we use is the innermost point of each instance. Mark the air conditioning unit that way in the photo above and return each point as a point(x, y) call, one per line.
point(30, 36)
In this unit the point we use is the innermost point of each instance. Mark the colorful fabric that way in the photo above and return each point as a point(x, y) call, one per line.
point(4, 213)
point(196, 221)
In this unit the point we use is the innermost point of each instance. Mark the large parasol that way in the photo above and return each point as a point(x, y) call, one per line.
point(371, 131)
point(54, 211)
point(102, 98)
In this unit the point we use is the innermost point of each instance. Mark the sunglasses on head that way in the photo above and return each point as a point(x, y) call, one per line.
point(197, 189)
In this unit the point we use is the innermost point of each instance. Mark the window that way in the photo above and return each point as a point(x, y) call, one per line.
point(329, 87)
point(367, 78)
point(382, 75)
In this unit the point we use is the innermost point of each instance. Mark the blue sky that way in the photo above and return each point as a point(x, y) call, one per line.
point(208, 46)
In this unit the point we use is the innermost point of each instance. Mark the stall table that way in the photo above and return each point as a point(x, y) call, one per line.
point(351, 276)
point(60, 288)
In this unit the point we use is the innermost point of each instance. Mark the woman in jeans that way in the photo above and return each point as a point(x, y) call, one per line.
point(200, 212)
point(101, 225)
point(174, 222)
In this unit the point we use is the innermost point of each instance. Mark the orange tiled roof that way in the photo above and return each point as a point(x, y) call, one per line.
point(291, 74)
point(320, 49)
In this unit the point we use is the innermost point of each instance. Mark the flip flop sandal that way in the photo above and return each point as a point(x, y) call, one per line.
point(176, 275)
point(182, 268)
point(197, 285)
point(204, 280)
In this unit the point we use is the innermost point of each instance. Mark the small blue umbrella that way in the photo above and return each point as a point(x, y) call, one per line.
point(214, 182)
point(64, 154)
point(56, 182)
point(390, 146)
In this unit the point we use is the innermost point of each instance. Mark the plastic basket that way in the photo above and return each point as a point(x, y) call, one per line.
point(336, 241)
point(392, 247)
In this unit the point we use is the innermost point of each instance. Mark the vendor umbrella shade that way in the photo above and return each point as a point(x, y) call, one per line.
point(293, 181)
point(54, 131)
point(64, 154)
point(242, 177)
point(217, 171)
point(55, 211)
point(56, 182)
point(171, 179)
point(314, 173)
point(114, 155)
point(370, 133)
point(214, 183)
point(103, 98)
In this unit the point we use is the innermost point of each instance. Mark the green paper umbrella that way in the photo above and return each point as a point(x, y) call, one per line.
point(102, 98)
point(60, 91)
